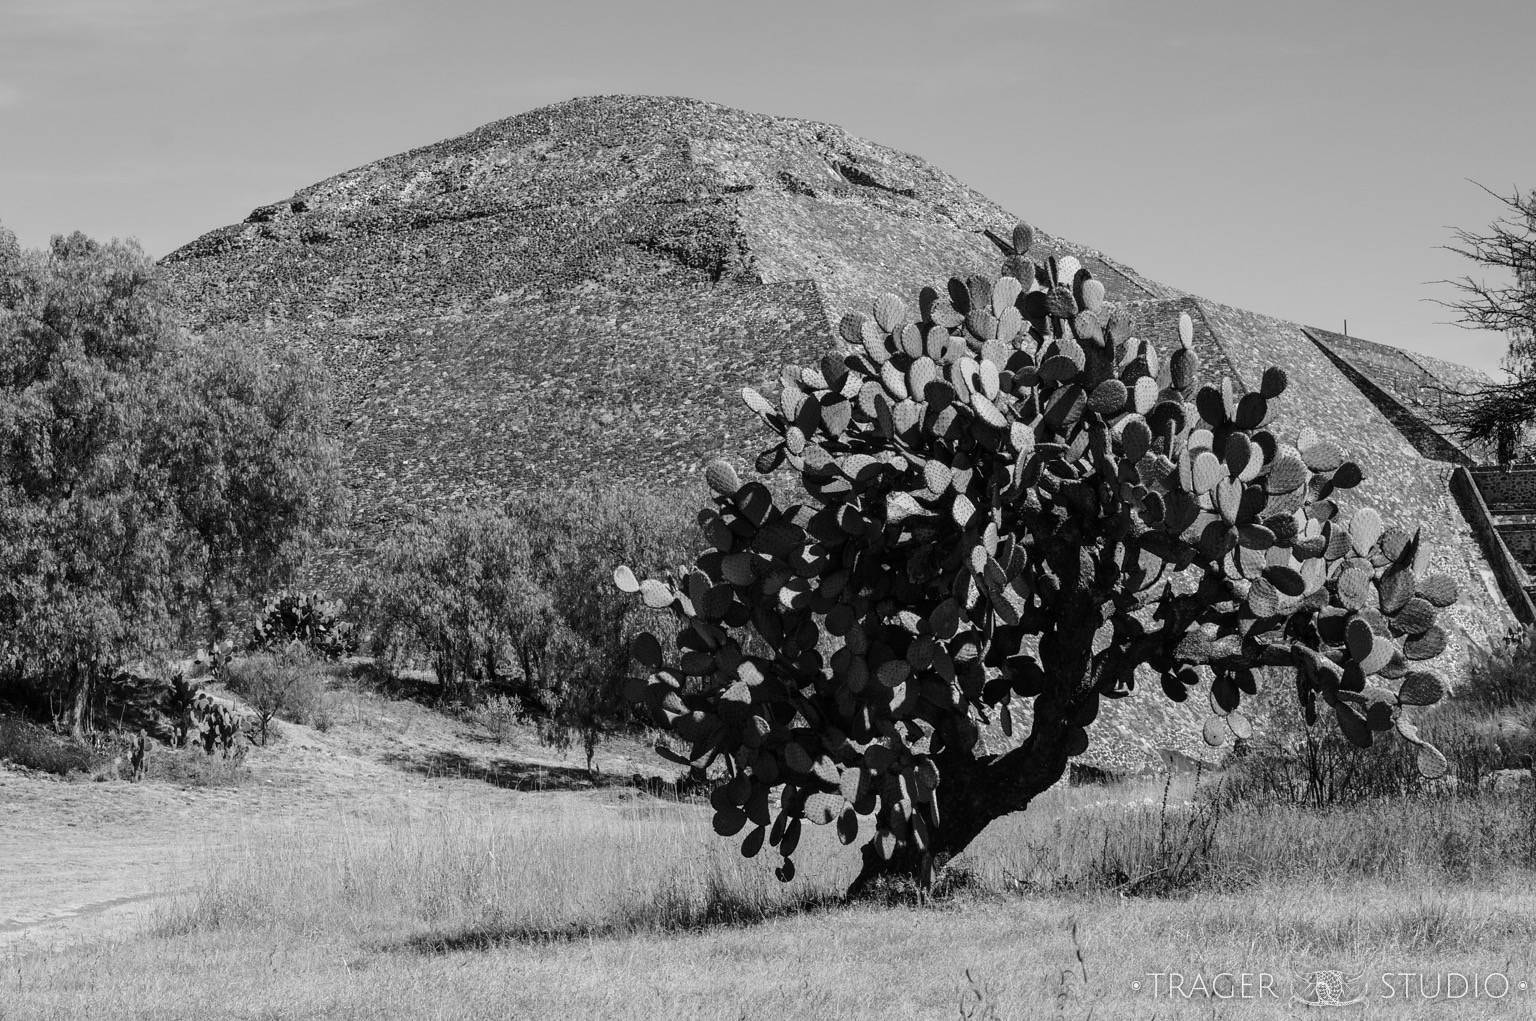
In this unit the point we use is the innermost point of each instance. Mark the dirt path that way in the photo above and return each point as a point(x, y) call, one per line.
point(81, 860)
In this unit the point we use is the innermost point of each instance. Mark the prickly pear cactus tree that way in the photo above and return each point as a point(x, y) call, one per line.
point(1012, 500)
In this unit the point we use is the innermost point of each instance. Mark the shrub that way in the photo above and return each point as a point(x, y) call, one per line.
point(1488, 723)
point(455, 590)
point(1502, 675)
point(287, 685)
point(34, 747)
point(1479, 740)
point(1297, 764)
point(1202, 840)
point(180, 699)
point(499, 715)
point(581, 537)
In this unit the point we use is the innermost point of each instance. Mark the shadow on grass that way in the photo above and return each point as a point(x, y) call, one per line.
point(537, 777)
point(659, 919)
point(508, 773)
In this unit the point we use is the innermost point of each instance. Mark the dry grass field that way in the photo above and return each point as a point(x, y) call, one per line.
point(354, 875)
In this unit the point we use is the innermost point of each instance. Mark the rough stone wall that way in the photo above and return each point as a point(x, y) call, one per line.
point(1520, 537)
point(1510, 495)
point(1507, 490)
point(1427, 440)
point(1409, 489)
point(858, 251)
point(1411, 390)
point(1511, 578)
point(1158, 321)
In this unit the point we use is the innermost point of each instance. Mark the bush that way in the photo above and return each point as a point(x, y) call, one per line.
point(32, 747)
point(454, 590)
point(1480, 741)
point(1317, 767)
point(1503, 675)
point(498, 714)
point(1487, 724)
point(1200, 841)
point(288, 685)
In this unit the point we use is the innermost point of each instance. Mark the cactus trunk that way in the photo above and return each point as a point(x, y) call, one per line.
point(976, 790)
point(974, 793)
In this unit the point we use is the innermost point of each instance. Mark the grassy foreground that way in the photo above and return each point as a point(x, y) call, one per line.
point(634, 909)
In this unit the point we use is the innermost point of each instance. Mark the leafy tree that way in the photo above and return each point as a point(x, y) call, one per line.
point(243, 432)
point(1500, 414)
point(1013, 509)
point(517, 597)
point(460, 588)
point(87, 533)
point(581, 538)
point(126, 460)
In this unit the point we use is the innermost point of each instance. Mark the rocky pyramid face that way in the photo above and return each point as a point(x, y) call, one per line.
point(582, 290)
point(623, 191)
point(586, 287)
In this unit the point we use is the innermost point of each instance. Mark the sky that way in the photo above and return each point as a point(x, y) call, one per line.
point(1304, 159)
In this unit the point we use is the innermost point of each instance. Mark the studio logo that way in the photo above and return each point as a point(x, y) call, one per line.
point(1331, 987)
point(1328, 988)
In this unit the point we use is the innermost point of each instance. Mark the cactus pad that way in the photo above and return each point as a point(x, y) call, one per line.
point(1273, 383)
point(1438, 589)
point(1186, 330)
point(1421, 687)
point(1364, 529)
point(890, 313)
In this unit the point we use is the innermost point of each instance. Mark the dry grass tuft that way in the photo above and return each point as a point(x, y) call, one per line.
point(452, 882)
point(1170, 838)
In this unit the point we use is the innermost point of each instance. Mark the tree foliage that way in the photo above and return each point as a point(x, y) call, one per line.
point(126, 452)
point(1013, 510)
point(242, 429)
point(516, 598)
point(87, 540)
point(1497, 414)
point(457, 587)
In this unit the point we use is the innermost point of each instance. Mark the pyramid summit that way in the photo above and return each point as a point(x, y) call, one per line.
point(581, 291)
point(659, 187)
point(601, 275)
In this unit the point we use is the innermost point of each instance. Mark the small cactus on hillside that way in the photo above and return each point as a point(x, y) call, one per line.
point(182, 702)
point(1011, 497)
point(306, 618)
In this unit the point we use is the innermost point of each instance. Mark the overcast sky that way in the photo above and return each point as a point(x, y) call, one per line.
point(1302, 158)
